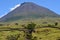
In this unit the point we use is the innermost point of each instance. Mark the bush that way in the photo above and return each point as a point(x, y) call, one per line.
point(23, 26)
point(13, 37)
point(16, 23)
point(40, 38)
point(56, 23)
point(49, 25)
point(30, 28)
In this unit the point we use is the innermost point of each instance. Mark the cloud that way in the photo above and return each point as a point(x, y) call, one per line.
point(14, 7)
point(3, 15)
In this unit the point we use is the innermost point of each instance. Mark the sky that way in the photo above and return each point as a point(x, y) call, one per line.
point(8, 5)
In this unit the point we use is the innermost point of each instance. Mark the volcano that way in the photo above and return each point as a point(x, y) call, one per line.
point(28, 10)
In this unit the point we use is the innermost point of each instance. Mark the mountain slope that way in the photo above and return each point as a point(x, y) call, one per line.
point(28, 10)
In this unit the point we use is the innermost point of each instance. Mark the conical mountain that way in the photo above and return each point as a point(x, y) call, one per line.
point(28, 10)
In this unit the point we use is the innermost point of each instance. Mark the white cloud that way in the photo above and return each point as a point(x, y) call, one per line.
point(15, 7)
point(3, 15)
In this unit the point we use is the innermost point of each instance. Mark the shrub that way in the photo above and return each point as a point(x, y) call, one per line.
point(40, 38)
point(30, 28)
point(56, 23)
point(49, 25)
point(13, 37)
point(23, 26)
point(16, 23)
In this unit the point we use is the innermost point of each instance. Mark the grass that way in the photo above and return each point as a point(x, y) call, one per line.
point(41, 32)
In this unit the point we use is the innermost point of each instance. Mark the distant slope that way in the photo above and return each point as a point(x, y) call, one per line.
point(28, 10)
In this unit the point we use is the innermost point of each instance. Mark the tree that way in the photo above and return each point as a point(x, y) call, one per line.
point(30, 29)
point(56, 23)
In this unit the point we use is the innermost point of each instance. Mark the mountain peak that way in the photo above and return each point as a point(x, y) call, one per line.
point(28, 10)
point(27, 3)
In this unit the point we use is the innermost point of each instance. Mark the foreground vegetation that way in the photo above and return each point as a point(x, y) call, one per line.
point(40, 30)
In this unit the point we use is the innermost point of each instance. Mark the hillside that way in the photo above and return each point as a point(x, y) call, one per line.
point(28, 10)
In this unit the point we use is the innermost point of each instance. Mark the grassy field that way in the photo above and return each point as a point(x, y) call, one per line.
point(44, 29)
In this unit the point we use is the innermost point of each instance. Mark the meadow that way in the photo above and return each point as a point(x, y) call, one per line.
point(45, 29)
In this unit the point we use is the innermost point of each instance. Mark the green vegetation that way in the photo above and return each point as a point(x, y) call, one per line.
point(30, 28)
point(40, 29)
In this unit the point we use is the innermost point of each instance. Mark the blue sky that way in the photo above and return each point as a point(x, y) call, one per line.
point(8, 5)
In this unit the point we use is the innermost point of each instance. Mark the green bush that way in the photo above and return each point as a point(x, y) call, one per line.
point(49, 25)
point(13, 37)
point(31, 26)
point(30, 29)
point(56, 23)
point(16, 23)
